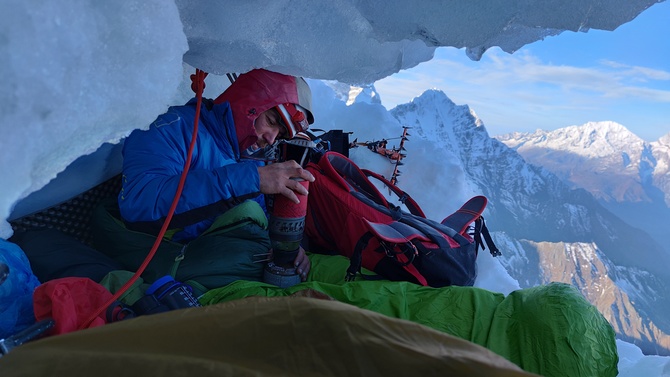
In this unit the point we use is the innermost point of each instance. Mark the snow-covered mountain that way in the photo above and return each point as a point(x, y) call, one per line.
point(604, 158)
point(629, 176)
point(549, 230)
point(661, 176)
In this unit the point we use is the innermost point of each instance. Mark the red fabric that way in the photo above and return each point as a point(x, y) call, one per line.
point(253, 93)
point(70, 302)
point(283, 207)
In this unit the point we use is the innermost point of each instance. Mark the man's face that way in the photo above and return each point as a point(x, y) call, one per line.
point(268, 128)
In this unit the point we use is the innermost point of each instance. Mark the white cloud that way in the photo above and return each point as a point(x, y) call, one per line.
point(522, 92)
point(639, 73)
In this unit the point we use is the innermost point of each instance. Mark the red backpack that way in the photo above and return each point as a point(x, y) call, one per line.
point(347, 215)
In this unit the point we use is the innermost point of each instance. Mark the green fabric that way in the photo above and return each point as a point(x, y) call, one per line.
point(229, 250)
point(226, 252)
point(110, 236)
point(550, 330)
point(114, 280)
point(249, 211)
point(330, 268)
point(441, 309)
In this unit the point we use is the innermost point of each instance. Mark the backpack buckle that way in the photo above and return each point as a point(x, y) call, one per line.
point(408, 249)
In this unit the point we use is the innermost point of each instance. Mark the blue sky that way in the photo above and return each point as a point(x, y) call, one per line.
point(568, 79)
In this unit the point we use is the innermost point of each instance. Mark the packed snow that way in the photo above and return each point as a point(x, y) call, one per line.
point(83, 73)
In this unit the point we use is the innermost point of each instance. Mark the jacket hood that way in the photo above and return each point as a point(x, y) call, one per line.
point(257, 91)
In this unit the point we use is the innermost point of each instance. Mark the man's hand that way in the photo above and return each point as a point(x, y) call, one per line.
point(276, 179)
point(302, 264)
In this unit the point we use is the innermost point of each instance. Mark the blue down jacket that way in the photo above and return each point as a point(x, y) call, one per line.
point(154, 160)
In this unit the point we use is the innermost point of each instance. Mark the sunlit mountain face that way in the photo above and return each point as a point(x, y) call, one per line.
point(561, 208)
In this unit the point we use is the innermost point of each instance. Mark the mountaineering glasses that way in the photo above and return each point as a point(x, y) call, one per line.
point(293, 118)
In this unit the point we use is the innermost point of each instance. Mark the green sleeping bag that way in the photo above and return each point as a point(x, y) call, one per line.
point(550, 330)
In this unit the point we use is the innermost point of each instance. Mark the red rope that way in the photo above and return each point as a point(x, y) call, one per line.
point(198, 85)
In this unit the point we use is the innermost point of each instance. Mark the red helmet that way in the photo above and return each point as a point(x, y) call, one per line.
point(293, 117)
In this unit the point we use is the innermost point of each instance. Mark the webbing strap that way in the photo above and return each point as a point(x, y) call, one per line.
point(482, 230)
point(429, 228)
point(356, 259)
point(403, 197)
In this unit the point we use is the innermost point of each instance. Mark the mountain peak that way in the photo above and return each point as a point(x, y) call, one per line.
point(433, 95)
point(664, 140)
point(363, 94)
point(592, 139)
point(435, 116)
point(351, 94)
point(607, 130)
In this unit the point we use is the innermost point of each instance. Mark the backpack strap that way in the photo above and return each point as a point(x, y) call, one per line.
point(348, 175)
point(356, 259)
point(482, 230)
point(390, 236)
point(403, 197)
point(354, 179)
point(471, 212)
point(402, 235)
